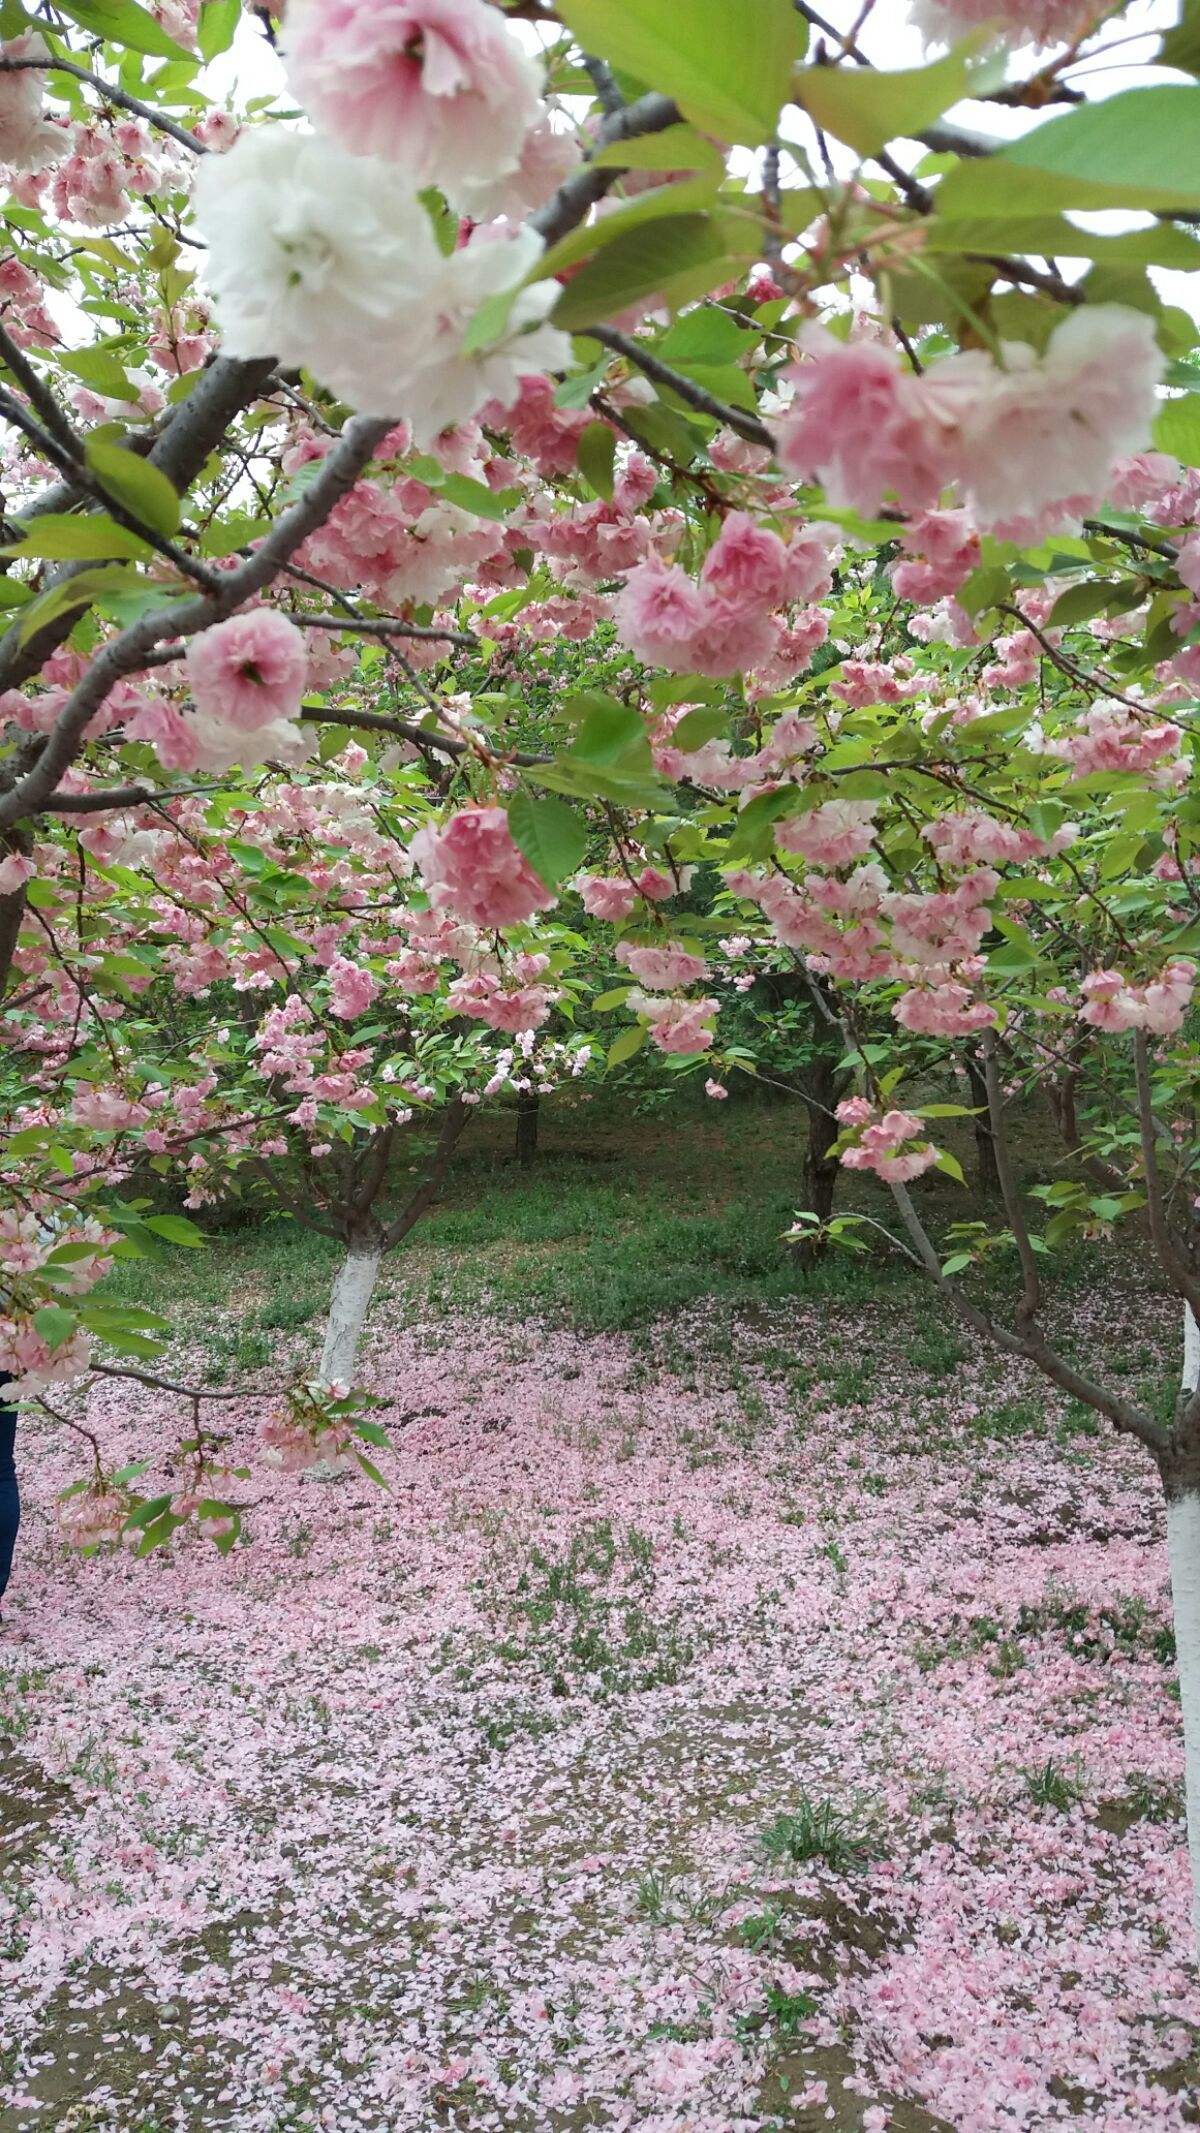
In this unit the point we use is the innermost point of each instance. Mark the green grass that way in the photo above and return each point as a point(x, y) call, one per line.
point(622, 1220)
point(625, 1219)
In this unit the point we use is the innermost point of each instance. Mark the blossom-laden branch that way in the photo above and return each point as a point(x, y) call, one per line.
point(126, 654)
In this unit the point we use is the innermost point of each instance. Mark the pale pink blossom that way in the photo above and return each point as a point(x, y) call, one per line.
point(351, 988)
point(248, 671)
point(662, 969)
point(831, 835)
point(472, 867)
point(608, 896)
point(442, 87)
point(1017, 22)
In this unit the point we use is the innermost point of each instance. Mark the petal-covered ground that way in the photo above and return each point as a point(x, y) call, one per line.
point(766, 1724)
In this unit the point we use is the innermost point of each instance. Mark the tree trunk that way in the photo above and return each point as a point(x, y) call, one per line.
point(1183, 1553)
point(353, 1288)
point(987, 1172)
point(527, 1126)
point(821, 1086)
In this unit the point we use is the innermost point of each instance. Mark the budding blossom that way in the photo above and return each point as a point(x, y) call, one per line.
point(1111, 737)
point(440, 87)
point(726, 624)
point(15, 871)
point(888, 1145)
point(978, 839)
point(472, 867)
point(943, 1010)
point(516, 1009)
point(351, 988)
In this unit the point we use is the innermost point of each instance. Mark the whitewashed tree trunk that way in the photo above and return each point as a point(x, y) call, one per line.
point(353, 1288)
point(1183, 1550)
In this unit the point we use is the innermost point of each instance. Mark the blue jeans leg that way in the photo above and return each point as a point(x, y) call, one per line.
point(10, 1502)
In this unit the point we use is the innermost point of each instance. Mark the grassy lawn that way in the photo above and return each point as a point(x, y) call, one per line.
point(622, 1219)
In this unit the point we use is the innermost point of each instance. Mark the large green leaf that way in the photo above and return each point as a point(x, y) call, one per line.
point(144, 491)
point(57, 537)
point(675, 148)
point(867, 109)
point(1181, 45)
point(596, 458)
point(477, 497)
point(610, 735)
point(74, 592)
point(727, 63)
point(551, 835)
point(649, 262)
point(1177, 428)
point(218, 22)
point(682, 197)
point(1162, 246)
point(1140, 149)
point(124, 22)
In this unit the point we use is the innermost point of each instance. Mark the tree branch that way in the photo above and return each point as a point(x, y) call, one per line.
point(126, 653)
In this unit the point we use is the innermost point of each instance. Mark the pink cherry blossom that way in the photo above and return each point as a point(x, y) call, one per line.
point(831, 835)
point(472, 867)
point(351, 988)
point(661, 968)
point(249, 671)
point(608, 896)
point(440, 86)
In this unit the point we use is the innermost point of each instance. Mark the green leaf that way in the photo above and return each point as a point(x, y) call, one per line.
point(706, 723)
point(477, 497)
point(124, 22)
point(1140, 149)
point(551, 835)
point(373, 1433)
point(663, 203)
point(102, 369)
point(596, 458)
point(1177, 428)
point(1163, 246)
point(146, 1513)
point(629, 1042)
point(705, 336)
point(729, 68)
point(867, 109)
point(616, 998)
point(752, 836)
point(1181, 46)
point(177, 1230)
point(218, 22)
point(54, 1324)
point(610, 734)
point(1079, 603)
point(643, 263)
point(79, 591)
point(951, 1166)
point(986, 587)
point(144, 490)
point(59, 536)
point(675, 148)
